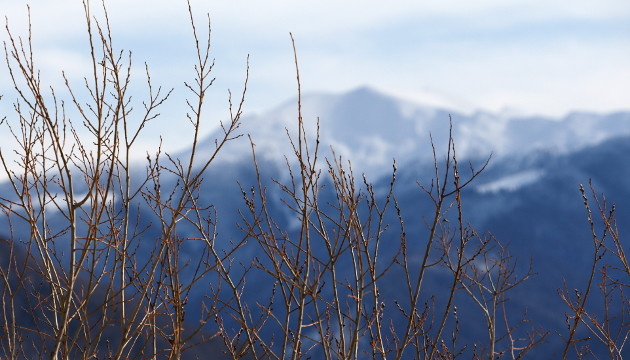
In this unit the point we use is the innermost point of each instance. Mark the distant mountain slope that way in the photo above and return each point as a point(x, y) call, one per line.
point(527, 197)
point(371, 128)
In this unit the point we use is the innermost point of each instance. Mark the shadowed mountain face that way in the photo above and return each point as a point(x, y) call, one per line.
point(528, 196)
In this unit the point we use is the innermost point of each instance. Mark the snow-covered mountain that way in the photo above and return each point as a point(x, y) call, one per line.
point(371, 128)
point(527, 197)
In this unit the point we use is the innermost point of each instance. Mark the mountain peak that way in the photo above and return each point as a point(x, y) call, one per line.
point(371, 127)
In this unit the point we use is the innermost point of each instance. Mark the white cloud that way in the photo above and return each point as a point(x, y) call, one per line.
point(309, 17)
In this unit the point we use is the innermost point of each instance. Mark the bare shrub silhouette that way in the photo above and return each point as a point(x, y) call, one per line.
point(121, 261)
point(605, 321)
point(105, 291)
point(328, 270)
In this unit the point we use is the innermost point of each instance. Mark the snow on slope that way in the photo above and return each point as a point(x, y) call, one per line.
point(371, 128)
point(511, 182)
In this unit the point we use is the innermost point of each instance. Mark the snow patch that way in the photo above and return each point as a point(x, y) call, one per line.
point(511, 182)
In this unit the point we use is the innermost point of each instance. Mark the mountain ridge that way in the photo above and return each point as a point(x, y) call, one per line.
point(371, 128)
point(527, 197)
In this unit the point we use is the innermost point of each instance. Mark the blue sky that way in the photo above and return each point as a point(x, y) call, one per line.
point(531, 56)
